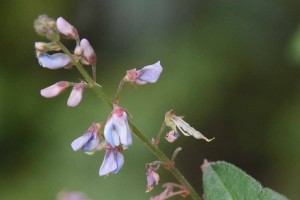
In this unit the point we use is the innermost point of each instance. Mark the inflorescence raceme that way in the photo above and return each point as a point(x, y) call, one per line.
point(113, 135)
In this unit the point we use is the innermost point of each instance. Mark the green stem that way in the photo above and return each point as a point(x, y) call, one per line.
point(134, 129)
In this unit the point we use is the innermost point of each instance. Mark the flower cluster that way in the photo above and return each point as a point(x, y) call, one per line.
point(113, 135)
point(116, 134)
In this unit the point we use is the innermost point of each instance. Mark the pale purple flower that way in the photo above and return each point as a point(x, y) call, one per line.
point(66, 28)
point(152, 178)
point(172, 136)
point(54, 61)
point(54, 89)
point(148, 74)
point(117, 131)
point(89, 141)
point(89, 56)
point(76, 95)
point(113, 161)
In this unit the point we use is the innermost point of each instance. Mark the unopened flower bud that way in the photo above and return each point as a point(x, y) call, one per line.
point(55, 89)
point(76, 95)
point(54, 61)
point(44, 46)
point(46, 26)
point(66, 28)
point(204, 165)
point(148, 74)
point(78, 51)
point(89, 56)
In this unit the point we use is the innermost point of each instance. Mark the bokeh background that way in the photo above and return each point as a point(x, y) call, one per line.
point(231, 67)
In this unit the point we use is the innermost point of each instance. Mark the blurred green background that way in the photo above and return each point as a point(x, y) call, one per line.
point(231, 67)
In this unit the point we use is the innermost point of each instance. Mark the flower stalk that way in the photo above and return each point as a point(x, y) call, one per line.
point(161, 156)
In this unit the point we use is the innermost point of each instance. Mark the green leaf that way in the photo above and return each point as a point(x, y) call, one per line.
point(225, 181)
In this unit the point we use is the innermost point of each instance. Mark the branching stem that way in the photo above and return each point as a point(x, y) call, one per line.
point(161, 156)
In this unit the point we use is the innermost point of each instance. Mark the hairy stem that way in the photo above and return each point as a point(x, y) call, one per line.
point(134, 129)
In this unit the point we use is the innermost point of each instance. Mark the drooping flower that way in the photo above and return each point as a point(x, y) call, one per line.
point(55, 89)
point(148, 74)
point(174, 121)
point(152, 178)
point(117, 131)
point(89, 141)
point(54, 61)
point(89, 56)
point(76, 95)
point(66, 28)
point(172, 136)
point(113, 161)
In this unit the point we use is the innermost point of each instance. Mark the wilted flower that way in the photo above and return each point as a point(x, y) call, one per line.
point(76, 95)
point(55, 89)
point(117, 131)
point(46, 26)
point(148, 74)
point(113, 161)
point(172, 136)
point(89, 56)
point(152, 178)
point(54, 61)
point(66, 28)
point(171, 192)
point(174, 121)
point(46, 46)
point(89, 141)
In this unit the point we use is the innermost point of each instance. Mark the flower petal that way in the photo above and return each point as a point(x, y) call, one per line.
point(80, 142)
point(109, 127)
point(54, 61)
point(122, 128)
point(149, 74)
point(115, 137)
point(109, 164)
point(120, 161)
point(187, 130)
point(76, 95)
point(54, 89)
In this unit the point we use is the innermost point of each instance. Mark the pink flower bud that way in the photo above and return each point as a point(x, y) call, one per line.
point(89, 56)
point(66, 28)
point(76, 95)
point(55, 89)
point(78, 51)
